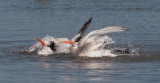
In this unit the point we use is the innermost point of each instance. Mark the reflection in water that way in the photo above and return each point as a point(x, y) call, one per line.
point(72, 71)
point(45, 65)
point(94, 71)
point(93, 65)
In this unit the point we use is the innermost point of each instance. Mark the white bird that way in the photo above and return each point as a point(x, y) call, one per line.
point(51, 45)
point(92, 45)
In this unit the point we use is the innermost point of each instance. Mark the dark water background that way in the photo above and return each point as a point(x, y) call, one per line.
point(23, 20)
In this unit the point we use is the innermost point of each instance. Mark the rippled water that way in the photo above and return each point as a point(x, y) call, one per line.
point(23, 20)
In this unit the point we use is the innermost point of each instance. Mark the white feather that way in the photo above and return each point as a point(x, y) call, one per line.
point(102, 32)
point(92, 44)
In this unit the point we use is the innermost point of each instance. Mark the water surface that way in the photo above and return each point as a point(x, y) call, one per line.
point(22, 21)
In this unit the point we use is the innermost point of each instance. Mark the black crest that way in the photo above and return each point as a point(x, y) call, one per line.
point(52, 46)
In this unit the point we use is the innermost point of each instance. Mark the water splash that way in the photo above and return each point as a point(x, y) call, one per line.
point(128, 50)
point(18, 50)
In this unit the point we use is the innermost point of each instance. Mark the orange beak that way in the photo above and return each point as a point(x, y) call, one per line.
point(41, 41)
point(70, 42)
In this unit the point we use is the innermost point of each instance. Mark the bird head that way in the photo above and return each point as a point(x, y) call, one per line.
point(47, 47)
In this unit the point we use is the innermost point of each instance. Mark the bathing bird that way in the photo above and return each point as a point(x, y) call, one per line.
point(92, 45)
point(51, 45)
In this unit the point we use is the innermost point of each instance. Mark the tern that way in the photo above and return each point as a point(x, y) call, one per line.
point(51, 45)
point(92, 45)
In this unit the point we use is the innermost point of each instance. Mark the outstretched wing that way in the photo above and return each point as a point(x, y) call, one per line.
point(82, 31)
point(101, 32)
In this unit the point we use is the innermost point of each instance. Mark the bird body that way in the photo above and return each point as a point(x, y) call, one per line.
point(52, 46)
point(92, 45)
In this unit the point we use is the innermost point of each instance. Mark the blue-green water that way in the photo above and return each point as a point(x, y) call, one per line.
point(23, 20)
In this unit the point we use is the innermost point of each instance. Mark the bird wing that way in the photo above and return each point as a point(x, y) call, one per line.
point(82, 31)
point(100, 33)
